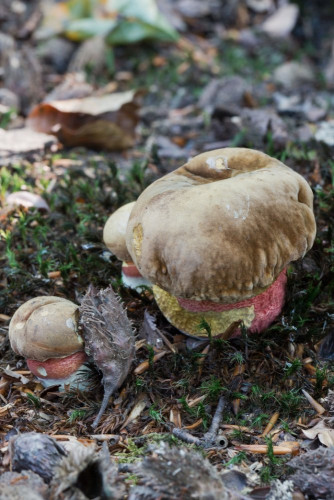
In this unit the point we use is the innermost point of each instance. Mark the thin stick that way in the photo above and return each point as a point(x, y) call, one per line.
point(186, 436)
point(263, 448)
point(211, 435)
point(145, 364)
point(317, 406)
point(270, 424)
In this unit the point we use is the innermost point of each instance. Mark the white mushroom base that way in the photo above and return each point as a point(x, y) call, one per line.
point(77, 380)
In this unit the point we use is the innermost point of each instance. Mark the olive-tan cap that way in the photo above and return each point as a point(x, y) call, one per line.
point(44, 328)
point(221, 227)
point(114, 232)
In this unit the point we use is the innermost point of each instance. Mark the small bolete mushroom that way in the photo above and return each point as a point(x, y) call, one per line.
point(114, 238)
point(44, 331)
point(216, 235)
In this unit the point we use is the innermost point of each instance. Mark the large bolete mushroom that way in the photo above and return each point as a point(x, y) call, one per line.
point(114, 238)
point(216, 235)
point(44, 331)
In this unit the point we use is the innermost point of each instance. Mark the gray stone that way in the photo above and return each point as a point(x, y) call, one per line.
point(292, 75)
point(225, 95)
point(325, 133)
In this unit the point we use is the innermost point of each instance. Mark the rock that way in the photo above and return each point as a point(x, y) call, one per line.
point(169, 10)
point(326, 349)
point(90, 54)
point(22, 74)
point(259, 5)
point(225, 96)
point(259, 122)
point(194, 8)
point(304, 133)
point(325, 133)
point(311, 109)
point(291, 75)
point(167, 149)
point(281, 23)
point(7, 47)
point(73, 86)
point(329, 70)
point(9, 99)
point(280, 490)
point(57, 52)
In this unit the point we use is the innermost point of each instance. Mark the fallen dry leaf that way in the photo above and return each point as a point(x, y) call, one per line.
point(281, 23)
point(106, 122)
point(27, 200)
point(109, 339)
point(322, 432)
point(23, 140)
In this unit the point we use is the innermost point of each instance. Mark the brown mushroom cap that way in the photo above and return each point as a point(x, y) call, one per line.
point(44, 328)
point(221, 227)
point(114, 232)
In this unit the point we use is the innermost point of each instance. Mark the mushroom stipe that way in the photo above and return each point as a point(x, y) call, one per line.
point(256, 313)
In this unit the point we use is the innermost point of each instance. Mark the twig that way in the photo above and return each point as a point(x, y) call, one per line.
point(317, 406)
point(211, 435)
point(186, 436)
point(107, 437)
point(263, 448)
point(194, 425)
point(146, 364)
point(270, 424)
point(209, 439)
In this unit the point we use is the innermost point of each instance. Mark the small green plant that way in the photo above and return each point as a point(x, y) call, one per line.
point(290, 402)
point(212, 388)
point(133, 453)
point(237, 459)
point(155, 414)
point(150, 357)
point(36, 402)
point(76, 415)
point(240, 436)
point(139, 383)
point(198, 411)
point(270, 451)
point(320, 377)
point(204, 325)
point(237, 358)
point(292, 367)
point(7, 237)
point(259, 420)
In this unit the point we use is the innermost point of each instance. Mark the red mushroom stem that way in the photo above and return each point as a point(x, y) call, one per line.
point(57, 368)
point(267, 305)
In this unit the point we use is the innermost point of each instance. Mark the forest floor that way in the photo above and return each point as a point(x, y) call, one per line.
point(216, 86)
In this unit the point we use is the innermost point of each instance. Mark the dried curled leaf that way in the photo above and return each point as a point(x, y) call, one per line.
point(322, 432)
point(109, 338)
point(106, 122)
